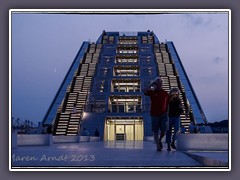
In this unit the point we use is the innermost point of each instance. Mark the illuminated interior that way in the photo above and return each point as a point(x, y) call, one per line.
point(127, 40)
point(126, 71)
point(125, 104)
point(128, 59)
point(125, 85)
point(124, 128)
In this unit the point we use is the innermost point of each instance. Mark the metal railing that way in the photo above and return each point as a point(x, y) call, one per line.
point(23, 127)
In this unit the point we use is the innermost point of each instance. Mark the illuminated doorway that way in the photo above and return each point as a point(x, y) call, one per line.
point(124, 128)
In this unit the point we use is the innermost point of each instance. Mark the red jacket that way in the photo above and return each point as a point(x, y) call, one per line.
point(159, 102)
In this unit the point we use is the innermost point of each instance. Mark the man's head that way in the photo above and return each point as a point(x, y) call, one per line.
point(158, 83)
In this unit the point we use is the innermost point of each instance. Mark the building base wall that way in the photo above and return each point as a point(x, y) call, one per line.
point(203, 142)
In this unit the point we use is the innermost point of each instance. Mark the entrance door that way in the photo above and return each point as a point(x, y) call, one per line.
point(124, 132)
point(120, 132)
point(123, 129)
point(129, 131)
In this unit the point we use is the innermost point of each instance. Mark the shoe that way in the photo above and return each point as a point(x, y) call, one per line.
point(169, 147)
point(160, 144)
point(159, 148)
point(173, 145)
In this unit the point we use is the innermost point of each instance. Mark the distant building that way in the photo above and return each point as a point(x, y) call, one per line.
point(219, 127)
point(106, 78)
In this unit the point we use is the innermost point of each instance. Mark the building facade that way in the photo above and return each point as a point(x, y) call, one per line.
point(103, 87)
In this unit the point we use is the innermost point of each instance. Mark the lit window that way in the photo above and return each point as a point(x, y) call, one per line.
point(125, 104)
point(126, 85)
point(126, 71)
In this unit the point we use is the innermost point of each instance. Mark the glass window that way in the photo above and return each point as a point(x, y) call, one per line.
point(148, 71)
point(126, 60)
point(127, 39)
point(103, 72)
point(108, 39)
point(126, 85)
point(125, 104)
point(127, 49)
point(126, 71)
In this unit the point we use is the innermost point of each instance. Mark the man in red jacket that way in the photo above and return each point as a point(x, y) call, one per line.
point(159, 109)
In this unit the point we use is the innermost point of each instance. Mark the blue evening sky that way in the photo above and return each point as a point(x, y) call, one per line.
point(44, 46)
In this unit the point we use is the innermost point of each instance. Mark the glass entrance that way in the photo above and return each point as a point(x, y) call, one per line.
point(120, 132)
point(117, 128)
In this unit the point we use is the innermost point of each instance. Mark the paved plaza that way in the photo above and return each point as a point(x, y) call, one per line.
point(113, 155)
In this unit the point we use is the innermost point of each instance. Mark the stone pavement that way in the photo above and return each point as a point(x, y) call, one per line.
point(112, 155)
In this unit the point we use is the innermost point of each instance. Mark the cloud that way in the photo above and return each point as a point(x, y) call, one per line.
point(218, 60)
point(195, 20)
point(202, 21)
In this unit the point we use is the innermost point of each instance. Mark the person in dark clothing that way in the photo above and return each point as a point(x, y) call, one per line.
point(49, 129)
point(159, 107)
point(85, 132)
point(96, 133)
point(175, 109)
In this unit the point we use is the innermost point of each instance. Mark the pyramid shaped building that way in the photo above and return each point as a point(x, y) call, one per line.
point(103, 87)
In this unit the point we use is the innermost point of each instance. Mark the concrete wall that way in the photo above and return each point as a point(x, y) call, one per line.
point(74, 139)
point(203, 142)
point(33, 139)
point(65, 139)
point(200, 142)
point(46, 139)
point(14, 140)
